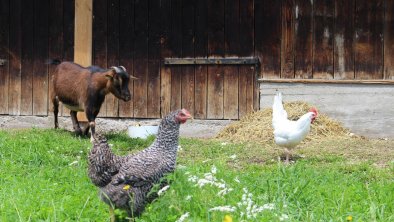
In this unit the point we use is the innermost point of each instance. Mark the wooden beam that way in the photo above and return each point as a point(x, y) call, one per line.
point(83, 37)
point(83, 32)
point(212, 61)
point(378, 81)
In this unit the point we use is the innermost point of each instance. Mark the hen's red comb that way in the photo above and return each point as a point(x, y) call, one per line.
point(314, 110)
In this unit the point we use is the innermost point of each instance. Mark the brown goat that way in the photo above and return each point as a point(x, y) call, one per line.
point(84, 89)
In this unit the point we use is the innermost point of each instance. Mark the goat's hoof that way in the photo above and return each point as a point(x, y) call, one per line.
point(78, 132)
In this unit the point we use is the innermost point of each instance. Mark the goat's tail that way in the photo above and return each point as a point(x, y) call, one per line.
point(53, 61)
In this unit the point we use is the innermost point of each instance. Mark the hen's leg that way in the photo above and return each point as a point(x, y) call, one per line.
point(287, 152)
point(112, 214)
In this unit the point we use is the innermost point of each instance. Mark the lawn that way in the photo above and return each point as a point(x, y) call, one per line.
point(44, 178)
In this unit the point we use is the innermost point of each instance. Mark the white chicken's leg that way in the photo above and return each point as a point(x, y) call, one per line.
point(287, 152)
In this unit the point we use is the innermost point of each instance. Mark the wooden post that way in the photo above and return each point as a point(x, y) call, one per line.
point(83, 37)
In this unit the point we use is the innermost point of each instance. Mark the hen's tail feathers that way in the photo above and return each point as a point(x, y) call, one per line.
point(277, 108)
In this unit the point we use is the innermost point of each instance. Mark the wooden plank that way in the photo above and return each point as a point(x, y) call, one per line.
point(4, 43)
point(68, 38)
point(40, 69)
point(201, 50)
point(268, 36)
point(126, 56)
point(100, 40)
point(68, 29)
point(215, 48)
point(323, 39)
point(287, 57)
point(15, 61)
point(232, 46)
point(343, 39)
point(27, 58)
point(141, 59)
point(188, 51)
point(165, 51)
point(248, 91)
point(153, 99)
point(83, 38)
point(83, 31)
point(303, 39)
point(329, 81)
point(55, 43)
point(228, 60)
point(176, 46)
point(368, 40)
point(112, 103)
point(389, 41)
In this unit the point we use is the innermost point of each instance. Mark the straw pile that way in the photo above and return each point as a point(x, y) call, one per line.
point(257, 126)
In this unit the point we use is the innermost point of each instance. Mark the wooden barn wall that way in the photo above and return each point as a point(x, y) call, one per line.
point(30, 33)
point(293, 39)
point(140, 34)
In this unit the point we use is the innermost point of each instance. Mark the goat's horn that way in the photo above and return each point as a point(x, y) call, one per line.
point(117, 70)
point(122, 67)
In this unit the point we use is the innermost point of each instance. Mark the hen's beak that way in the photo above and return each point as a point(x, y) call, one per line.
point(187, 114)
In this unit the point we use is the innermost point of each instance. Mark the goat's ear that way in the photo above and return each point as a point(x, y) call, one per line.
point(110, 74)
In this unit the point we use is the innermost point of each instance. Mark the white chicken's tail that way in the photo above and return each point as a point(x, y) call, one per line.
point(278, 112)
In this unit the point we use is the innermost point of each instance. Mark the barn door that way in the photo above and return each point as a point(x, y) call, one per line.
point(206, 30)
point(32, 33)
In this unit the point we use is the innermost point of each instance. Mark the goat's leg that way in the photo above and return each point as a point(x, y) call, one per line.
point(91, 116)
point(74, 119)
point(55, 102)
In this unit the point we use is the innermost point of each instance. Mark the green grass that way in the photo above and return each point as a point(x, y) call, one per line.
point(43, 177)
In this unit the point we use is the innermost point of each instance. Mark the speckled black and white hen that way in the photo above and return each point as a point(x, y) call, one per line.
point(125, 182)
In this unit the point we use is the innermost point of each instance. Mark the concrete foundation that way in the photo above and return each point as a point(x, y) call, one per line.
point(366, 109)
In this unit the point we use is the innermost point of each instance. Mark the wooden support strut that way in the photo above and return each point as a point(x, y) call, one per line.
point(83, 38)
point(325, 81)
point(213, 61)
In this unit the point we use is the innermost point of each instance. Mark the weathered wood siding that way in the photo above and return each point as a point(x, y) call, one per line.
point(30, 33)
point(293, 39)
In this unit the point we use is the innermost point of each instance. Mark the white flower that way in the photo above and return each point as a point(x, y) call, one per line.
point(213, 170)
point(233, 156)
point(283, 217)
point(225, 191)
point(224, 143)
point(223, 209)
point(188, 197)
point(183, 217)
point(179, 148)
point(162, 190)
point(192, 179)
point(269, 206)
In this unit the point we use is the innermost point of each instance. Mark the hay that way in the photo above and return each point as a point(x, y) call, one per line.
point(257, 126)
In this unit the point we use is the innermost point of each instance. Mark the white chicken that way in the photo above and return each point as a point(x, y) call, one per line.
point(288, 133)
